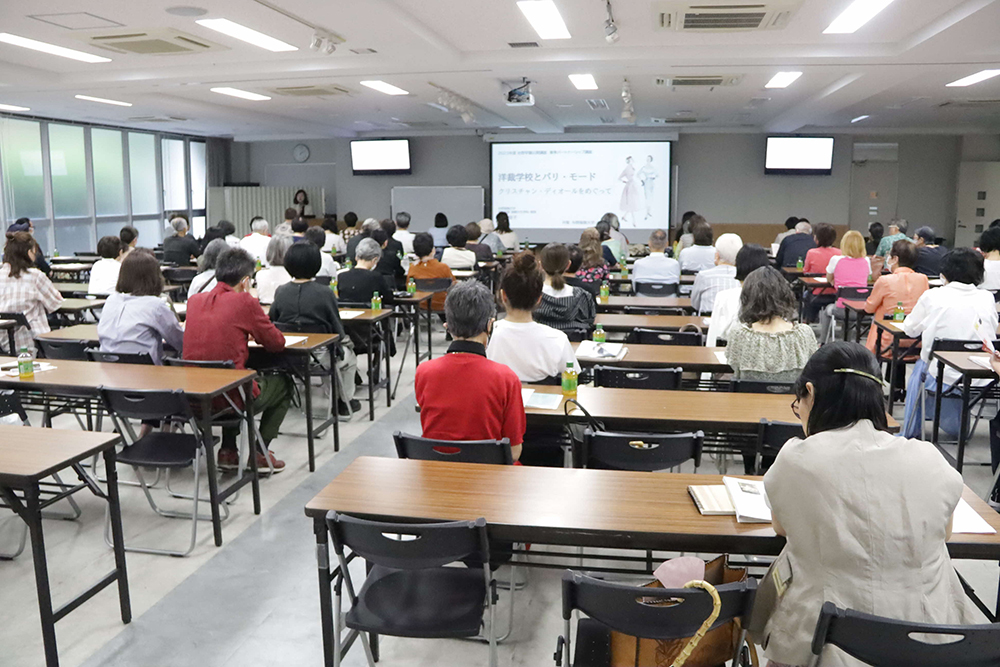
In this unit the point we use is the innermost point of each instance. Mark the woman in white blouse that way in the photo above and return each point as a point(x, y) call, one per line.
point(726, 309)
point(273, 277)
point(866, 515)
point(104, 272)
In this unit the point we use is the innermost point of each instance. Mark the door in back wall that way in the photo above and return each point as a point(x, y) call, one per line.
point(874, 185)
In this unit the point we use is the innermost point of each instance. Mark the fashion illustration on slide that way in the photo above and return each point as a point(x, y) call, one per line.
point(648, 176)
point(630, 204)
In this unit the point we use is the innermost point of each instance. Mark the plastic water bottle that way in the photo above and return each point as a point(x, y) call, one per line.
point(570, 380)
point(599, 335)
point(624, 269)
point(258, 266)
point(499, 254)
point(376, 301)
point(25, 365)
point(55, 252)
point(333, 286)
point(411, 286)
point(898, 314)
point(799, 264)
point(605, 290)
point(349, 264)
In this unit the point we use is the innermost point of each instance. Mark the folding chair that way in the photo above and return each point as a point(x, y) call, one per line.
point(71, 350)
point(120, 357)
point(771, 437)
point(637, 378)
point(648, 452)
point(656, 289)
point(658, 337)
point(760, 387)
point(496, 452)
point(22, 321)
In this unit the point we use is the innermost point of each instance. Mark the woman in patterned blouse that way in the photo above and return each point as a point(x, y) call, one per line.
point(25, 289)
point(593, 269)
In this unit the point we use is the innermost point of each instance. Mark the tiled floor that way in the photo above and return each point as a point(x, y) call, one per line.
point(253, 602)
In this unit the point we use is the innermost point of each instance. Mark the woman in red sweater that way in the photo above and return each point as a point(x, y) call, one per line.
point(816, 261)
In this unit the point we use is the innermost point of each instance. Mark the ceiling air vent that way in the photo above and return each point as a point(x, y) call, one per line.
point(422, 124)
point(697, 81)
point(157, 119)
point(597, 105)
point(673, 121)
point(723, 16)
point(364, 51)
point(608, 120)
point(523, 45)
point(969, 104)
point(160, 42)
point(311, 91)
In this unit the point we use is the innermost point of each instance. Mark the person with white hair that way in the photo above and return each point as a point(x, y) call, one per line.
point(490, 237)
point(275, 275)
point(403, 233)
point(708, 283)
point(367, 227)
point(361, 283)
point(205, 281)
point(180, 249)
point(897, 232)
point(794, 247)
point(256, 241)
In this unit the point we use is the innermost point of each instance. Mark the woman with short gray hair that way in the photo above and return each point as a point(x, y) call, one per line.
point(273, 277)
point(362, 282)
point(205, 281)
point(180, 249)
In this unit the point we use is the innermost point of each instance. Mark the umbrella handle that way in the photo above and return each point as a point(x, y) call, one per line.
point(696, 639)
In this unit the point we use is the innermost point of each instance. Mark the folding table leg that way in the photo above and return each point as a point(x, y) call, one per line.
point(205, 426)
point(33, 517)
point(114, 506)
point(310, 439)
point(252, 445)
point(371, 373)
point(387, 330)
point(325, 594)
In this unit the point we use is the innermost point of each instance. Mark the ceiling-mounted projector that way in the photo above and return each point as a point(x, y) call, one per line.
point(521, 96)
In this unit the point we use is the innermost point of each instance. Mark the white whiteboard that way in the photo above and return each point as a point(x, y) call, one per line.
point(462, 204)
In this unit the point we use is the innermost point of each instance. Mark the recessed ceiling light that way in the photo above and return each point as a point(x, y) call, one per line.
point(974, 78)
point(859, 119)
point(383, 87)
point(242, 94)
point(512, 127)
point(856, 15)
point(102, 100)
point(544, 17)
point(565, 106)
point(51, 49)
point(11, 107)
point(245, 34)
point(583, 81)
point(782, 79)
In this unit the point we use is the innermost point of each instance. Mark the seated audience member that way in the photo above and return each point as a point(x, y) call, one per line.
point(367, 227)
point(129, 236)
point(564, 307)
point(726, 308)
point(685, 239)
point(897, 232)
point(616, 232)
point(205, 280)
point(929, 253)
point(299, 227)
point(989, 245)
point(25, 289)
point(271, 278)
point(817, 259)
point(903, 286)
point(532, 350)
point(456, 256)
point(701, 255)
point(218, 326)
point(135, 320)
point(952, 311)
point(328, 267)
point(180, 249)
point(866, 515)
point(851, 268)
point(722, 276)
point(439, 232)
point(594, 269)
point(403, 233)
point(104, 272)
point(445, 387)
point(575, 262)
point(333, 242)
point(25, 225)
point(789, 229)
point(490, 237)
point(286, 225)
point(656, 267)
point(389, 264)
point(794, 247)
point(767, 344)
point(256, 241)
point(428, 268)
point(391, 246)
point(224, 230)
point(612, 249)
point(359, 285)
point(307, 306)
point(351, 227)
point(508, 237)
point(482, 251)
point(875, 233)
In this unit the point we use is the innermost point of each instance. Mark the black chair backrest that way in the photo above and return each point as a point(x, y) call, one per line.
point(775, 434)
point(146, 403)
point(653, 310)
point(854, 293)
point(955, 345)
point(120, 357)
point(637, 378)
point(10, 404)
point(194, 363)
point(409, 546)
point(17, 317)
point(884, 642)
point(323, 280)
point(658, 337)
point(640, 451)
point(656, 289)
point(63, 349)
point(626, 608)
point(432, 284)
point(179, 275)
point(468, 451)
point(760, 387)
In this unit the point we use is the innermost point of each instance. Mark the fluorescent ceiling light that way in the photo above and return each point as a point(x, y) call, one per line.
point(782, 79)
point(974, 78)
point(856, 15)
point(245, 34)
point(88, 98)
point(544, 17)
point(11, 107)
point(583, 81)
point(512, 127)
point(859, 119)
point(439, 107)
point(242, 94)
point(383, 87)
point(51, 49)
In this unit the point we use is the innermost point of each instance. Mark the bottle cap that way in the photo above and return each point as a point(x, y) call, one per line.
point(569, 364)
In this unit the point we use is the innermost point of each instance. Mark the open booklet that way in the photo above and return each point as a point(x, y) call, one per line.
point(588, 349)
point(743, 498)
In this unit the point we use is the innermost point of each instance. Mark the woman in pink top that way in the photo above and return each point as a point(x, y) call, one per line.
point(817, 259)
point(904, 286)
point(851, 269)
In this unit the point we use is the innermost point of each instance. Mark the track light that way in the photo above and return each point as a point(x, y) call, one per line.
point(610, 27)
point(316, 42)
point(322, 43)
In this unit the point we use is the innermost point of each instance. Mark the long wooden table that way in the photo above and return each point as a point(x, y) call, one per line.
point(556, 506)
point(617, 322)
point(29, 455)
point(971, 371)
point(689, 357)
point(618, 303)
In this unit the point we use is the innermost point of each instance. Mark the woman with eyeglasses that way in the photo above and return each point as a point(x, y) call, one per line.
point(866, 515)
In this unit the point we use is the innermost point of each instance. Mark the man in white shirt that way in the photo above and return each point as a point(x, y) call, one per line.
point(256, 241)
point(104, 272)
point(657, 267)
point(708, 283)
point(403, 233)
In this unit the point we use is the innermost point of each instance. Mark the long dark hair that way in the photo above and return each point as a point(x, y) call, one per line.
point(846, 388)
point(15, 253)
point(522, 281)
point(503, 223)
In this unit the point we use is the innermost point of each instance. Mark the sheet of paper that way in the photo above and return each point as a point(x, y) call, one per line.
point(526, 394)
point(707, 321)
point(721, 356)
point(821, 279)
point(981, 360)
point(968, 521)
point(289, 340)
point(544, 401)
point(349, 314)
point(749, 499)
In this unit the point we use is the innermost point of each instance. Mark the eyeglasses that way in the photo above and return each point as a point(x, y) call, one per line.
point(795, 408)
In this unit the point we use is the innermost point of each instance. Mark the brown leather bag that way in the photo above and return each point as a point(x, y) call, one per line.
point(716, 647)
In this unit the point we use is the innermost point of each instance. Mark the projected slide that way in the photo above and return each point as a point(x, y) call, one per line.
point(572, 184)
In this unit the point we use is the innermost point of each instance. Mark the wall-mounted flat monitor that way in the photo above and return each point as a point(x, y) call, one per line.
point(381, 156)
point(799, 156)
